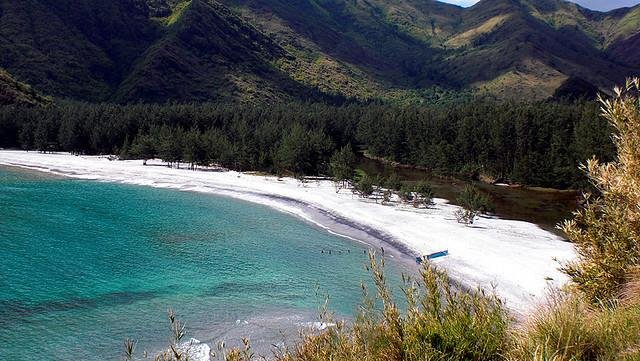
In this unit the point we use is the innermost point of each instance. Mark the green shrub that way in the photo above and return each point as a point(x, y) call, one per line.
point(364, 186)
point(393, 182)
point(441, 323)
point(473, 203)
point(342, 164)
point(406, 193)
point(423, 194)
point(607, 231)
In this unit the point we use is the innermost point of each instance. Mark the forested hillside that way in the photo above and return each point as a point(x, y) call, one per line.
point(206, 50)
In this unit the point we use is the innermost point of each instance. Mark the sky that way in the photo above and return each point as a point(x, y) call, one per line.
point(601, 5)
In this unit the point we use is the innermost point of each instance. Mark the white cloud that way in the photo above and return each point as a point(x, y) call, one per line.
point(464, 3)
point(602, 5)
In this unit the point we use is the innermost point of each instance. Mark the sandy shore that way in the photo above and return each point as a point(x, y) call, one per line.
point(518, 258)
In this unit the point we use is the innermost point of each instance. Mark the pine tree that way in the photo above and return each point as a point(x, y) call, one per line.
point(365, 186)
point(143, 148)
point(393, 182)
point(473, 203)
point(424, 194)
point(342, 165)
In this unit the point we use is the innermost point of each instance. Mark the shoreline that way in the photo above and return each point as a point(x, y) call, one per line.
point(316, 217)
point(517, 258)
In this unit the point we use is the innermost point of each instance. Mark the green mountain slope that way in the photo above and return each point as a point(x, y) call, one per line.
point(13, 92)
point(506, 47)
point(515, 52)
point(73, 48)
point(249, 50)
point(208, 53)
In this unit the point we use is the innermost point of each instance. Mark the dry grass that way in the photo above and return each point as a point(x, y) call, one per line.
point(531, 79)
point(467, 37)
point(569, 328)
point(441, 323)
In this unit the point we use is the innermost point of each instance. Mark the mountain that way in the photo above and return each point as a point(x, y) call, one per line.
point(511, 48)
point(13, 92)
point(208, 53)
point(519, 48)
point(256, 50)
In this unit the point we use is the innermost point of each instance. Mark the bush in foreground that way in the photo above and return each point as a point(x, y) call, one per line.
point(607, 231)
point(570, 328)
point(600, 319)
point(441, 323)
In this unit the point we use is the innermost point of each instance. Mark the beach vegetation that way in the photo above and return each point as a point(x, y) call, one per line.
point(423, 194)
point(365, 186)
point(606, 232)
point(393, 182)
point(143, 148)
point(441, 322)
point(406, 193)
point(386, 196)
point(303, 151)
point(169, 145)
point(378, 186)
point(194, 151)
point(343, 163)
point(473, 203)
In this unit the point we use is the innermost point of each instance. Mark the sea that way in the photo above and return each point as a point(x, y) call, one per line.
point(86, 265)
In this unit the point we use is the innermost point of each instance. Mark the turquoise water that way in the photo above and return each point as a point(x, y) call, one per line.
point(87, 264)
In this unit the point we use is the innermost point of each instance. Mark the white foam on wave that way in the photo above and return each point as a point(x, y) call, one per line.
point(317, 325)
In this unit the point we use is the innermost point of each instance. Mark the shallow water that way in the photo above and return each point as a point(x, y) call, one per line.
point(87, 264)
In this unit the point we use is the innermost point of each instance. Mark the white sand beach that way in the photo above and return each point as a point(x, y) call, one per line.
point(518, 258)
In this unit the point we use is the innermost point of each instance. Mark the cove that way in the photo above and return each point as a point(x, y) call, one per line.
point(87, 264)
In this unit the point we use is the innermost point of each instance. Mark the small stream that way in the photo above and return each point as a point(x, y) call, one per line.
point(544, 207)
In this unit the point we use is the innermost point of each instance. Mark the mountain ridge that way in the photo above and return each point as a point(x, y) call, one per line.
point(250, 50)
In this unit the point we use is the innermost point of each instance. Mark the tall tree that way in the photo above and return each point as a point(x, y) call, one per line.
point(342, 165)
point(144, 147)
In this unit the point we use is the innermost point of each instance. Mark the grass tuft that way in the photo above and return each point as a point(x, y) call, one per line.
point(441, 323)
point(569, 328)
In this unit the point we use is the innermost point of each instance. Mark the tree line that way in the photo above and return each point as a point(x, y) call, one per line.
point(540, 144)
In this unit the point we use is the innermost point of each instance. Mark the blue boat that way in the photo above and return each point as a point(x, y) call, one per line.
point(431, 256)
